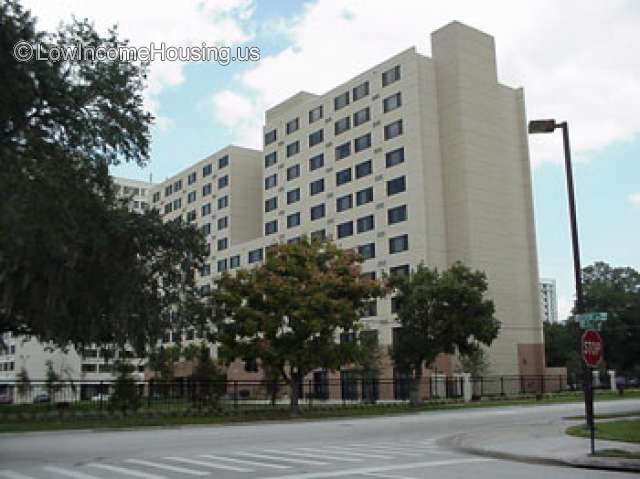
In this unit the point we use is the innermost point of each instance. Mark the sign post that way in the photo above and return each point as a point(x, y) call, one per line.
point(591, 346)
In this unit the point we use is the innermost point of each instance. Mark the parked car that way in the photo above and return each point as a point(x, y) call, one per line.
point(41, 398)
point(101, 397)
point(6, 399)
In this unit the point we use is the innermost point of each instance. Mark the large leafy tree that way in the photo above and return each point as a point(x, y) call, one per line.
point(616, 291)
point(75, 265)
point(287, 312)
point(440, 312)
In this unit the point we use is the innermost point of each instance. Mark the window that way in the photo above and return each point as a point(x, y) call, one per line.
point(343, 176)
point(270, 181)
point(316, 162)
point(255, 255)
point(234, 261)
point(398, 244)
point(370, 308)
point(366, 223)
point(251, 365)
point(402, 270)
point(177, 186)
point(293, 148)
point(205, 270)
point(391, 75)
point(89, 368)
point(361, 116)
point(271, 227)
point(293, 125)
point(319, 235)
point(222, 265)
point(293, 220)
point(205, 209)
point(392, 102)
point(207, 169)
point(395, 186)
point(315, 114)
point(270, 159)
point(369, 337)
point(223, 222)
point(168, 190)
point(342, 125)
point(363, 169)
point(223, 202)
point(270, 137)
point(167, 208)
point(370, 275)
point(224, 161)
point(341, 101)
point(345, 229)
point(317, 212)
point(316, 187)
point(293, 172)
point(223, 181)
point(206, 189)
point(361, 91)
point(394, 157)
point(316, 137)
point(206, 229)
point(362, 143)
point(191, 197)
point(395, 304)
point(223, 244)
point(392, 130)
point(177, 203)
point(367, 251)
point(191, 179)
point(347, 337)
point(397, 214)
point(271, 204)
point(342, 151)
point(156, 197)
point(364, 196)
point(293, 196)
point(344, 202)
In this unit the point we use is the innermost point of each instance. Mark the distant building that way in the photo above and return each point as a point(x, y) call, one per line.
point(548, 300)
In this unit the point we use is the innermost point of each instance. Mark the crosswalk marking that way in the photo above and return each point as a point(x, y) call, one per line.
point(125, 471)
point(379, 469)
point(314, 455)
point(13, 475)
point(245, 461)
point(213, 465)
point(167, 467)
point(68, 473)
point(384, 449)
point(282, 459)
point(341, 450)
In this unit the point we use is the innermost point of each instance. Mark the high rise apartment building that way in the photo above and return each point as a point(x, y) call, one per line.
point(548, 300)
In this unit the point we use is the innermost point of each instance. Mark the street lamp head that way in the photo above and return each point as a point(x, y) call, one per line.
point(542, 126)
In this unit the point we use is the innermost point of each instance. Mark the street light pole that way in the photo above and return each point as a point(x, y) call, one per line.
point(548, 126)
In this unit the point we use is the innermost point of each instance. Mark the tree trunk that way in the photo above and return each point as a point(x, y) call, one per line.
point(295, 389)
point(414, 396)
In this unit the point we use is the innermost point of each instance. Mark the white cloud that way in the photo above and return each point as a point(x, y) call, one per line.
point(241, 114)
point(179, 24)
point(577, 60)
point(565, 305)
point(634, 198)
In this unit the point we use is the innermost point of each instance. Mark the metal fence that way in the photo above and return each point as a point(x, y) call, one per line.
point(188, 394)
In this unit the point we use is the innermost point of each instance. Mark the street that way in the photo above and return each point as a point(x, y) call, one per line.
point(398, 447)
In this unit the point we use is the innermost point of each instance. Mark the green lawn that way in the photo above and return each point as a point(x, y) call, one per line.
point(626, 430)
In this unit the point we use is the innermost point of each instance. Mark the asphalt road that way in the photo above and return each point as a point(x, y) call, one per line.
point(399, 447)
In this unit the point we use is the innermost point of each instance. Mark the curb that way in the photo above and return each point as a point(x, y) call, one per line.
point(613, 464)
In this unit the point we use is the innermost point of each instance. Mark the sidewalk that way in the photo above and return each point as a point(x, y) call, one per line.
point(543, 443)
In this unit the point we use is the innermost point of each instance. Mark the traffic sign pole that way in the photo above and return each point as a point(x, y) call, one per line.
point(591, 348)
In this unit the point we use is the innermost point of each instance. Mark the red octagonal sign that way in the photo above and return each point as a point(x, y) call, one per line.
point(591, 348)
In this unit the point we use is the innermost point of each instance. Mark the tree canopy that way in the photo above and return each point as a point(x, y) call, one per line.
point(440, 312)
point(287, 312)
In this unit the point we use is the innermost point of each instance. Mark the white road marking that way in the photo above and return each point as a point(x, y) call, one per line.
point(246, 461)
point(282, 459)
point(386, 476)
point(68, 472)
point(341, 450)
point(167, 467)
point(369, 470)
point(213, 465)
point(125, 471)
point(13, 475)
point(384, 449)
point(314, 455)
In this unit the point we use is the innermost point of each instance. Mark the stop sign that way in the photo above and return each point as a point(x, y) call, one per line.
point(591, 348)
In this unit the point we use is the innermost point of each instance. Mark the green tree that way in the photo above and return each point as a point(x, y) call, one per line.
point(561, 347)
point(163, 360)
point(208, 380)
point(75, 265)
point(476, 362)
point(287, 312)
point(440, 313)
point(23, 383)
point(125, 394)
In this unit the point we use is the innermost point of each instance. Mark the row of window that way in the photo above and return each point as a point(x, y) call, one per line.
point(356, 93)
point(192, 177)
point(7, 366)
point(176, 204)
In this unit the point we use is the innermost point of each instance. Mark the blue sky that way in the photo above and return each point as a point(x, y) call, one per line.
point(588, 76)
